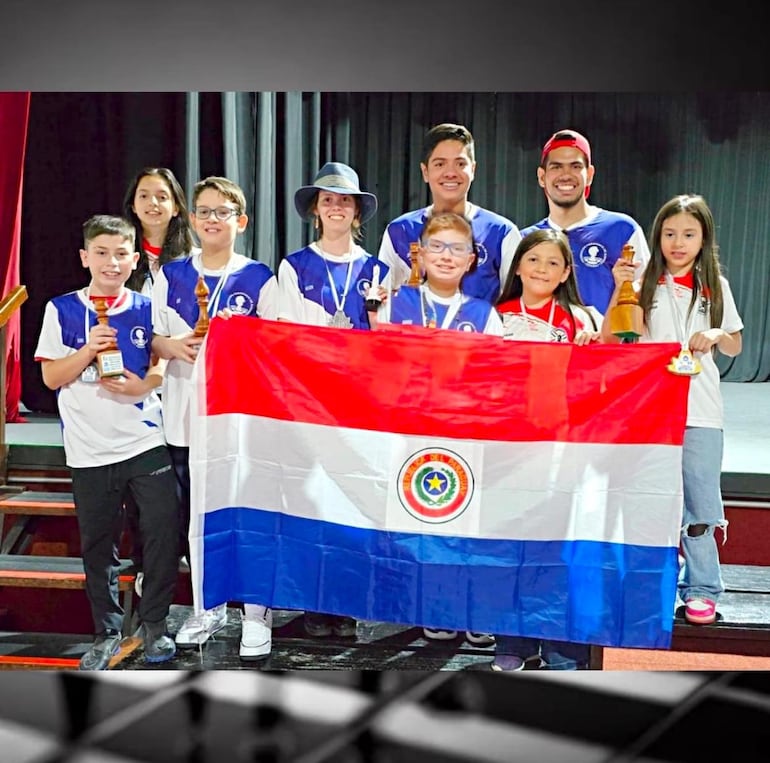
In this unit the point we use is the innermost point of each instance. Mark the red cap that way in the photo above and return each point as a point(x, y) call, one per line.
point(571, 139)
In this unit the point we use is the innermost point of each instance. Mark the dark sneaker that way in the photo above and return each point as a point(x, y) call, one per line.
point(158, 646)
point(317, 624)
point(344, 626)
point(504, 663)
point(570, 657)
point(106, 645)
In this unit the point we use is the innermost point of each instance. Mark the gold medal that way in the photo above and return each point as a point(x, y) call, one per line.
point(684, 364)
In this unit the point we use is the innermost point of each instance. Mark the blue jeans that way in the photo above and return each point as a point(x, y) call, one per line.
point(557, 655)
point(700, 574)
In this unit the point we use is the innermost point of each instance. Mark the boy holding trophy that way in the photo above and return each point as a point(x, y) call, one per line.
point(235, 285)
point(94, 350)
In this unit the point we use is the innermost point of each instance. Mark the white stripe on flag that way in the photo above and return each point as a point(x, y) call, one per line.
point(529, 491)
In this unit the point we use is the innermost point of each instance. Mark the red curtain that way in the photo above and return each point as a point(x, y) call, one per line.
point(14, 116)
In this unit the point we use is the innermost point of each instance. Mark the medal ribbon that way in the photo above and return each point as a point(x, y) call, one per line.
point(683, 326)
point(550, 316)
point(429, 309)
point(216, 292)
point(339, 301)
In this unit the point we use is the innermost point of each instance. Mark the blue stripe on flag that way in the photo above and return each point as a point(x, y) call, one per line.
point(582, 591)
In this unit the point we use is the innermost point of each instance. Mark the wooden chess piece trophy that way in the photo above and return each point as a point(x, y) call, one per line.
point(202, 297)
point(415, 276)
point(627, 317)
point(109, 362)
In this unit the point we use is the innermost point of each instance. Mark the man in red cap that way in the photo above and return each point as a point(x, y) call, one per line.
point(596, 235)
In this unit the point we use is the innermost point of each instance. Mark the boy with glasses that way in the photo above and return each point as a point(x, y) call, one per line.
point(445, 258)
point(448, 167)
point(238, 286)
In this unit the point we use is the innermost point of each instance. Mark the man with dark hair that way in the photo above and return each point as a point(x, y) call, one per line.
point(448, 167)
point(596, 235)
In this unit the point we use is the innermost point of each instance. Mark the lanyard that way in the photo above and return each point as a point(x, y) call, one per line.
point(683, 326)
point(339, 301)
point(216, 292)
point(428, 309)
point(550, 316)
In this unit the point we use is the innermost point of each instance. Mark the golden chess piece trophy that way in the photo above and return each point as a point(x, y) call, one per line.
point(415, 276)
point(109, 362)
point(627, 316)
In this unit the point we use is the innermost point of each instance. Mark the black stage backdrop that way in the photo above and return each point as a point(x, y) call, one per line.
point(83, 148)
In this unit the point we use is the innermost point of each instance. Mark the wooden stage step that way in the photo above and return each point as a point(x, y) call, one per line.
point(52, 651)
point(37, 502)
point(24, 507)
point(62, 572)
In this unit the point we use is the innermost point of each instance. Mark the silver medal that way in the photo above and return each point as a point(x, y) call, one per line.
point(340, 321)
point(90, 374)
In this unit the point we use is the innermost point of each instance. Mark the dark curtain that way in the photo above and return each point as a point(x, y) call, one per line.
point(646, 148)
point(82, 151)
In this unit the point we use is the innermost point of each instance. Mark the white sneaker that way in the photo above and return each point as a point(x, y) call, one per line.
point(196, 629)
point(256, 636)
point(437, 634)
point(479, 639)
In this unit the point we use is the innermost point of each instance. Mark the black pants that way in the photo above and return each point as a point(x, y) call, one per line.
point(99, 494)
point(180, 457)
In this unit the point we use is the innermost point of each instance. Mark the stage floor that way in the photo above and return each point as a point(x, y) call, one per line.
point(745, 466)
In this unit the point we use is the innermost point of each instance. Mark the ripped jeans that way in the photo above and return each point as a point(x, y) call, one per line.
point(700, 574)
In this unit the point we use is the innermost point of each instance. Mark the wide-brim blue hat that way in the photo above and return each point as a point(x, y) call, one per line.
point(337, 178)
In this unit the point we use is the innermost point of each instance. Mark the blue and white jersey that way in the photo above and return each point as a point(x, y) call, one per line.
point(596, 242)
point(244, 286)
point(418, 306)
point(495, 237)
point(305, 281)
point(99, 427)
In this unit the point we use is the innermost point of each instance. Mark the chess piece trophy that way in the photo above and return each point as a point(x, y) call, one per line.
point(373, 300)
point(415, 276)
point(202, 297)
point(627, 317)
point(109, 362)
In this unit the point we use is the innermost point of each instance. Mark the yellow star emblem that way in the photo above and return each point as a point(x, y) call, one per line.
point(435, 482)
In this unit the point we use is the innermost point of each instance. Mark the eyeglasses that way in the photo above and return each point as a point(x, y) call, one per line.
point(456, 248)
point(221, 213)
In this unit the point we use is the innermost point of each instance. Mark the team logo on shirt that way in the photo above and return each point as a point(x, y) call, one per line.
point(465, 326)
point(138, 336)
point(557, 335)
point(240, 303)
point(435, 485)
point(362, 285)
point(482, 255)
point(592, 255)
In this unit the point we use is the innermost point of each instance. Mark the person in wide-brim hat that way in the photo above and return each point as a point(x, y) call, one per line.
point(334, 177)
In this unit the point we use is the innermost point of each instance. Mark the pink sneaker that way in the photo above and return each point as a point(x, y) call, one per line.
point(700, 611)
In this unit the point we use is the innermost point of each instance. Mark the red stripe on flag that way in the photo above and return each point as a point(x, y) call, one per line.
point(445, 383)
